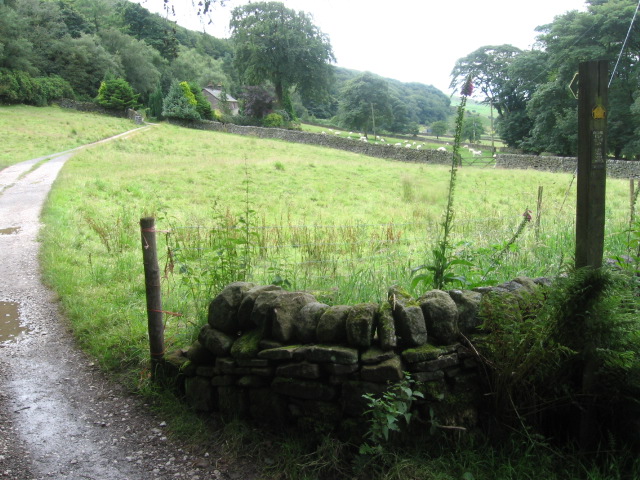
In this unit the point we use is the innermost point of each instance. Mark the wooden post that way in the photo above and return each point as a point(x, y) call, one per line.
point(592, 164)
point(153, 292)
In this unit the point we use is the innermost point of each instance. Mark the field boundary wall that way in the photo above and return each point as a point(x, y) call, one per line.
point(281, 357)
point(615, 168)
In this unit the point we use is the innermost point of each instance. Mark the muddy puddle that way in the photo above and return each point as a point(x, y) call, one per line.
point(10, 327)
point(9, 231)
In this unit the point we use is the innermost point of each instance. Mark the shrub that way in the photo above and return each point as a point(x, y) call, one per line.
point(203, 107)
point(16, 87)
point(178, 105)
point(52, 88)
point(19, 87)
point(116, 94)
point(273, 120)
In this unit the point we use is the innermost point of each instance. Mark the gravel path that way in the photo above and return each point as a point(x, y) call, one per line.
point(60, 417)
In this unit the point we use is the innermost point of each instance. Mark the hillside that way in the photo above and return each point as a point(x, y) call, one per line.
point(67, 48)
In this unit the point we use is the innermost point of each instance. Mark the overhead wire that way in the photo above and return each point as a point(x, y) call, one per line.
point(624, 44)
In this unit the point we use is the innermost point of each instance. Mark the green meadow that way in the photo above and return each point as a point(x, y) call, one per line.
point(341, 225)
point(29, 132)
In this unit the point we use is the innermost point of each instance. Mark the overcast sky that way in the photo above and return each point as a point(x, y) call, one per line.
point(408, 40)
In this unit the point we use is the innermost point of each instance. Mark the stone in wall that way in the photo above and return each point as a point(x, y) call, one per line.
point(441, 316)
point(386, 328)
point(306, 323)
point(285, 311)
point(361, 323)
point(468, 305)
point(332, 326)
point(219, 343)
point(223, 310)
point(245, 311)
point(411, 328)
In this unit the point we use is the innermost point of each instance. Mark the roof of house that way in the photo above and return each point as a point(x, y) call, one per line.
point(217, 91)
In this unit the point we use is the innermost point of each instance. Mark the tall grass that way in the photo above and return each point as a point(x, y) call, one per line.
point(31, 132)
point(331, 222)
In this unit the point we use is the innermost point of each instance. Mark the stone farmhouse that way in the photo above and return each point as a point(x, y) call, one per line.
point(213, 95)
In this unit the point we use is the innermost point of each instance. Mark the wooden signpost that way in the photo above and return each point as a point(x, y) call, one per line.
point(592, 164)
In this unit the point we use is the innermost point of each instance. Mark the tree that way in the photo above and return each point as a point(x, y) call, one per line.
point(486, 67)
point(179, 104)
point(365, 100)
point(277, 44)
point(257, 101)
point(140, 63)
point(472, 129)
point(196, 67)
point(116, 94)
point(439, 128)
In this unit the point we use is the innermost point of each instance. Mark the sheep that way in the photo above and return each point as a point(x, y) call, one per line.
point(408, 145)
point(398, 144)
point(442, 149)
point(337, 132)
point(324, 133)
point(475, 153)
point(364, 139)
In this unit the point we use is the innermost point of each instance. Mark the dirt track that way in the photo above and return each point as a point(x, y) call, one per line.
point(60, 417)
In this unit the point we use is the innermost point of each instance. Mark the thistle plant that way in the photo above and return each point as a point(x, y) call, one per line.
point(505, 247)
point(440, 272)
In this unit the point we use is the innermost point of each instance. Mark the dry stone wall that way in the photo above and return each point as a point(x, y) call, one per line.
point(615, 168)
point(387, 151)
point(284, 358)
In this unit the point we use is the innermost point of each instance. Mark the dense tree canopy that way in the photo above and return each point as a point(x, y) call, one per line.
point(364, 102)
point(529, 89)
point(277, 44)
point(59, 48)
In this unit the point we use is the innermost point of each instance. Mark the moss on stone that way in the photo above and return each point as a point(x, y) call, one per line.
point(247, 346)
point(422, 353)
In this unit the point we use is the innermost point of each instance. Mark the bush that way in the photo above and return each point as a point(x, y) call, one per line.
point(16, 87)
point(52, 88)
point(116, 94)
point(203, 107)
point(178, 105)
point(20, 87)
point(273, 120)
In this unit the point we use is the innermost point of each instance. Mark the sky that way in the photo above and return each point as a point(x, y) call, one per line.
point(407, 40)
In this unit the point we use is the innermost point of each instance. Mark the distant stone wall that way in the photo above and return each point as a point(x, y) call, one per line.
point(387, 151)
point(282, 357)
point(615, 168)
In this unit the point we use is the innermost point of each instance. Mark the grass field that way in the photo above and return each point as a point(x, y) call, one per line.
point(29, 132)
point(341, 225)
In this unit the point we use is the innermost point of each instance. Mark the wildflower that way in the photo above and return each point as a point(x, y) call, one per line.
point(467, 88)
